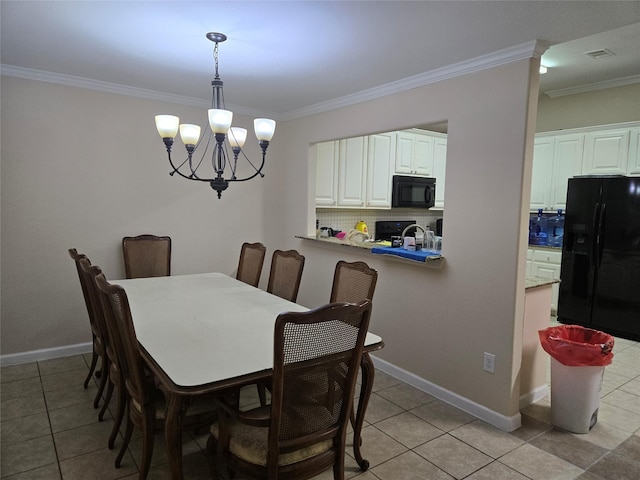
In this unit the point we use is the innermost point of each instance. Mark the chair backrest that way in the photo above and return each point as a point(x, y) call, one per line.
point(250, 264)
point(146, 256)
point(285, 274)
point(317, 357)
point(73, 253)
point(118, 313)
point(353, 282)
point(90, 273)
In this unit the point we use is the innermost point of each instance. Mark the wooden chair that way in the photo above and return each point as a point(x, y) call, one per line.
point(317, 357)
point(353, 282)
point(99, 352)
point(146, 256)
point(146, 403)
point(111, 364)
point(250, 264)
point(285, 274)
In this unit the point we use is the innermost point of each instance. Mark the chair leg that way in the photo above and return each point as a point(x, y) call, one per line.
point(262, 394)
point(211, 456)
point(104, 378)
point(92, 368)
point(147, 447)
point(117, 421)
point(125, 442)
point(107, 399)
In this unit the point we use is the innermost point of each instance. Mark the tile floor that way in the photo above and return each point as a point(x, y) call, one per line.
point(49, 430)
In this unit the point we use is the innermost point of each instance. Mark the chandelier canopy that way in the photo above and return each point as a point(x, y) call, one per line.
point(221, 131)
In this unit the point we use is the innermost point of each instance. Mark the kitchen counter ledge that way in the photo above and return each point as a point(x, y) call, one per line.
point(535, 282)
point(429, 262)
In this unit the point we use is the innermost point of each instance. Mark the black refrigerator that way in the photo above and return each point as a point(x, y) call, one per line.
point(600, 270)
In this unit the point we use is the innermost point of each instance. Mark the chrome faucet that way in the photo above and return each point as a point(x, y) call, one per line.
point(419, 238)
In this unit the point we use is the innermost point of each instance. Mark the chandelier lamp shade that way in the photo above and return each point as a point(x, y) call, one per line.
point(222, 168)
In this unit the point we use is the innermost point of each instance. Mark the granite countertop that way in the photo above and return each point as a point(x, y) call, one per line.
point(535, 282)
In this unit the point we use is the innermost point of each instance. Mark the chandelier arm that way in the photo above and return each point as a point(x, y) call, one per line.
point(177, 170)
point(258, 170)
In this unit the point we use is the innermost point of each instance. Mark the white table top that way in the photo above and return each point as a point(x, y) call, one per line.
point(206, 328)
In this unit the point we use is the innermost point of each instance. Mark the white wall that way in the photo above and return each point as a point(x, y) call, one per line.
point(83, 168)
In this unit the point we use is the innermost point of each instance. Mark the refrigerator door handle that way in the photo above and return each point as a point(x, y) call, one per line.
point(593, 251)
point(599, 239)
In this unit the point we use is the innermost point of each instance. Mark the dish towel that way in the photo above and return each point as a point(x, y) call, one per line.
point(419, 256)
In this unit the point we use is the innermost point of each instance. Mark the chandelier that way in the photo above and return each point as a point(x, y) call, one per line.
point(221, 131)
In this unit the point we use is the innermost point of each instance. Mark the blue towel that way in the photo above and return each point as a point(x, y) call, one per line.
point(401, 252)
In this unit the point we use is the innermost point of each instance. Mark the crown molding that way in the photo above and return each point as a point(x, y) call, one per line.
point(533, 49)
point(590, 87)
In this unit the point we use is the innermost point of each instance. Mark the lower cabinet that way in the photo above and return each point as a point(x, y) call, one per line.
point(544, 262)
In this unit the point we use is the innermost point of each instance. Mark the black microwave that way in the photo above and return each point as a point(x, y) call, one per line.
point(413, 192)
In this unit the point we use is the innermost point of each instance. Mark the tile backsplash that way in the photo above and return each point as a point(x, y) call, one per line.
point(346, 219)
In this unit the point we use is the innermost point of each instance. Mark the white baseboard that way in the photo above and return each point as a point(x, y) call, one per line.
point(508, 424)
point(534, 395)
point(45, 354)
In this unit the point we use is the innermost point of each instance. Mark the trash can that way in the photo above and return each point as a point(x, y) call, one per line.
point(578, 358)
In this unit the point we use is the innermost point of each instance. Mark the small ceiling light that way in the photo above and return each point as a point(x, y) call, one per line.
point(543, 69)
point(221, 129)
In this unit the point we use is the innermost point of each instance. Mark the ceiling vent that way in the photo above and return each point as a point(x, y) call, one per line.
point(598, 54)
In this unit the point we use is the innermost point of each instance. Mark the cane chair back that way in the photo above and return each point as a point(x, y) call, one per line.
point(353, 282)
point(146, 402)
point(317, 357)
point(146, 256)
point(111, 363)
point(250, 264)
point(285, 274)
point(99, 352)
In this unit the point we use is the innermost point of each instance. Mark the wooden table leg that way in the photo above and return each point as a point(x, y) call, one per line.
point(173, 434)
point(366, 388)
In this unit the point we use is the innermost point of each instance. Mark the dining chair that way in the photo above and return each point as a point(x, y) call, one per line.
point(111, 363)
point(98, 349)
point(285, 274)
point(146, 256)
point(146, 403)
point(250, 264)
point(317, 357)
point(353, 282)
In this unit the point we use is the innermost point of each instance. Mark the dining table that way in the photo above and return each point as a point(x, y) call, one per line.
point(203, 334)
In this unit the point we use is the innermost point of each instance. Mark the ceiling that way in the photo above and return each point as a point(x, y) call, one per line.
point(286, 58)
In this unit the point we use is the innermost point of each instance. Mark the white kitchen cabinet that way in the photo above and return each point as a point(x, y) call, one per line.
point(606, 152)
point(326, 154)
point(440, 169)
point(380, 157)
point(414, 153)
point(633, 166)
point(556, 158)
point(352, 172)
point(546, 263)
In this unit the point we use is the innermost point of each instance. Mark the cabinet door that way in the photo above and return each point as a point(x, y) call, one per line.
point(326, 173)
point(352, 172)
point(440, 169)
point(633, 167)
point(380, 157)
point(546, 264)
point(606, 152)
point(541, 173)
point(567, 162)
point(404, 153)
point(423, 151)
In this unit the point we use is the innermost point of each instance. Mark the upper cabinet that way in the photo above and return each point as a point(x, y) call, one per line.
point(439, 168)
point(414, 153)
point(351, 168)
point(326, 154)
point(556, 158)
point(381, 150)
point(604, 150)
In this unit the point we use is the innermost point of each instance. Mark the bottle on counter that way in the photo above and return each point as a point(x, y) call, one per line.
point(556, 230)
point(538, 229)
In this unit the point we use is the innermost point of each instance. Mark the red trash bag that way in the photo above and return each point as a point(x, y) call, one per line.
point(576, 346)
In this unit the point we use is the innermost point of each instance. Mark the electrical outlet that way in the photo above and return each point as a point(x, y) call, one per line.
point(489, 363)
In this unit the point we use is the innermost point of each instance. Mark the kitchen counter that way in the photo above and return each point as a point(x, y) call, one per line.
point(433, 261)
point(535, 282)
